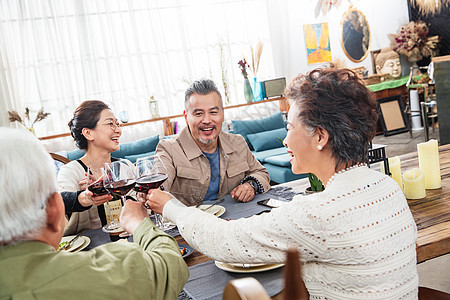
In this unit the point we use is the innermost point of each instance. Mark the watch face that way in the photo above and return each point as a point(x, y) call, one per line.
point(254, 185)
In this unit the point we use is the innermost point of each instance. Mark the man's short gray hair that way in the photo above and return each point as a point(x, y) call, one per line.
point(202, 87)
point(28, 179)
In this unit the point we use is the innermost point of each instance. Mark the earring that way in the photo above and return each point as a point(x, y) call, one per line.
point(319, 147)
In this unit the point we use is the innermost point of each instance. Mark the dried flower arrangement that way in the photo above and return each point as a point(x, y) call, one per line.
point(223, 69)
point(26, 121)
point(243, 66)
point(413, 41)
point(256, 56)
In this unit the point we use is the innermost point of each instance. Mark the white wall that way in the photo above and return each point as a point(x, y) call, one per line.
point(383, 17)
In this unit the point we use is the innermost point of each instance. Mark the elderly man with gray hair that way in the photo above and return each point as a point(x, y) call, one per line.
point(31, 226)
point(204, 163)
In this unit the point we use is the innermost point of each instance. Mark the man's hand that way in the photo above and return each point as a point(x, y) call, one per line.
point(157, 199)
point(87, 198)
point(243, 192)
point(132, 215)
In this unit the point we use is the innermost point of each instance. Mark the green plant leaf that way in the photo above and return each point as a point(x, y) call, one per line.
point(316, 184)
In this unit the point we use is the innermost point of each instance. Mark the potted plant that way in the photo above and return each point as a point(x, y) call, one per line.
point(316, 184)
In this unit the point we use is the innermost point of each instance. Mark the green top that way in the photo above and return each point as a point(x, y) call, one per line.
point(151, 268)
point(388, 84)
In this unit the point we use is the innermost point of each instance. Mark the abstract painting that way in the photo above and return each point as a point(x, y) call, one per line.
point(317, 41)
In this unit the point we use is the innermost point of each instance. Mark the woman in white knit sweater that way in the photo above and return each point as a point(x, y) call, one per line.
point(357, 237)
point(96, 130)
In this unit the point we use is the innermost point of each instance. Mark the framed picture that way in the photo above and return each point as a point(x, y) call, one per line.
point(373, 55)
point(392, 115)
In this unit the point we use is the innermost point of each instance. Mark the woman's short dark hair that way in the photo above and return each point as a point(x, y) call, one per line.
point(337, 101)
point(85, 116)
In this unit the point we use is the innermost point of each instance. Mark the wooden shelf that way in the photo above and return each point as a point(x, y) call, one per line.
point(167, 124)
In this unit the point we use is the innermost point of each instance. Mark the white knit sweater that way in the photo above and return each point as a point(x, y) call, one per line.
point(68, 178)
point(356, 238)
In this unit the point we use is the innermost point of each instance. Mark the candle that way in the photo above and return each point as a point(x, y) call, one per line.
point(414, 184)
point(396, 170)
point(429, 163)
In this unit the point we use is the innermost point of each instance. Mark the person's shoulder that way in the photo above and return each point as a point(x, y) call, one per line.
point(233, 137)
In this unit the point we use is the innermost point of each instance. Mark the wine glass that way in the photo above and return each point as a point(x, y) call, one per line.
point(150, 174)
point(95, 184)
point(119, 179)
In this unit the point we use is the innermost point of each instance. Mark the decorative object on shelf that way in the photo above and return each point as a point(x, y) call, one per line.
point(429, 163)
point(154, 109)
point(387, 61)
point(123, 116)
point(248, 94)
point(26, 121)
point(223, 69)
point(274, 87)
point(254, 66)
point(317, 40)
point(413, 42)
point(355, 35)
point(324, 6)
point(429, 6)
point(414, 184)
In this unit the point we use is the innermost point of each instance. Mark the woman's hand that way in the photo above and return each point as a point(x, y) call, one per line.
point(83, 184)
point(156, 199)
point(87, 198)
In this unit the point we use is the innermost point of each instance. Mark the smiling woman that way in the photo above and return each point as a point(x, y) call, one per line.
point(96, 130)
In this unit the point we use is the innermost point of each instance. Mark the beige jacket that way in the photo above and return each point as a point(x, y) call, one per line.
point(189, 170)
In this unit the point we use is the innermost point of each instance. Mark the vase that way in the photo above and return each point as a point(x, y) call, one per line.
point(257, 91)
point(248, 94)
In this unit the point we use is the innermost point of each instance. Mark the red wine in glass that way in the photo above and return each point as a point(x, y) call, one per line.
point(121, 187)
point(148, 182)
point(97, 188)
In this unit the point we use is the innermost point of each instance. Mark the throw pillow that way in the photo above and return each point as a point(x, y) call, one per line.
point(137, 147)
point(246, 127)
point(267, 139)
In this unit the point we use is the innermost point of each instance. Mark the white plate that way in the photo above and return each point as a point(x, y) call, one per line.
point(75, 245)
point(255, 268)
point(221, 211)
point(212, 210)
point(86, 243)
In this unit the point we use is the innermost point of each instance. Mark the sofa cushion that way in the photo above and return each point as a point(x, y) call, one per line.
point(134, 157)
point(137, 147)
point(267, 139)
point(262, 155)
point(283, 160)
point(281, 174)
point(75, 154)
point(246, 127)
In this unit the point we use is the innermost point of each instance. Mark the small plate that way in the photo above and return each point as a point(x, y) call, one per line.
point(86, 243)
point(189, 249)
point(254, 268)
point(212, 210)
point(221, 211)
point(75, 245)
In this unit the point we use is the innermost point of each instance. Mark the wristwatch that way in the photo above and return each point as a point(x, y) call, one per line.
point(253, 184)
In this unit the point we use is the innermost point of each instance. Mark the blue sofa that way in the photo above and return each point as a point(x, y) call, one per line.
point(131, 151)
point(263, 138)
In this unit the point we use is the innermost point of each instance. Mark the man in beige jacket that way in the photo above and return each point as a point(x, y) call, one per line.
point(204, 163)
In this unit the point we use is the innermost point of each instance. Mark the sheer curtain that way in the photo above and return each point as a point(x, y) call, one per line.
point(55, 54)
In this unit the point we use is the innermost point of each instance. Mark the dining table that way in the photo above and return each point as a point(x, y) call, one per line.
point(207, 281)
